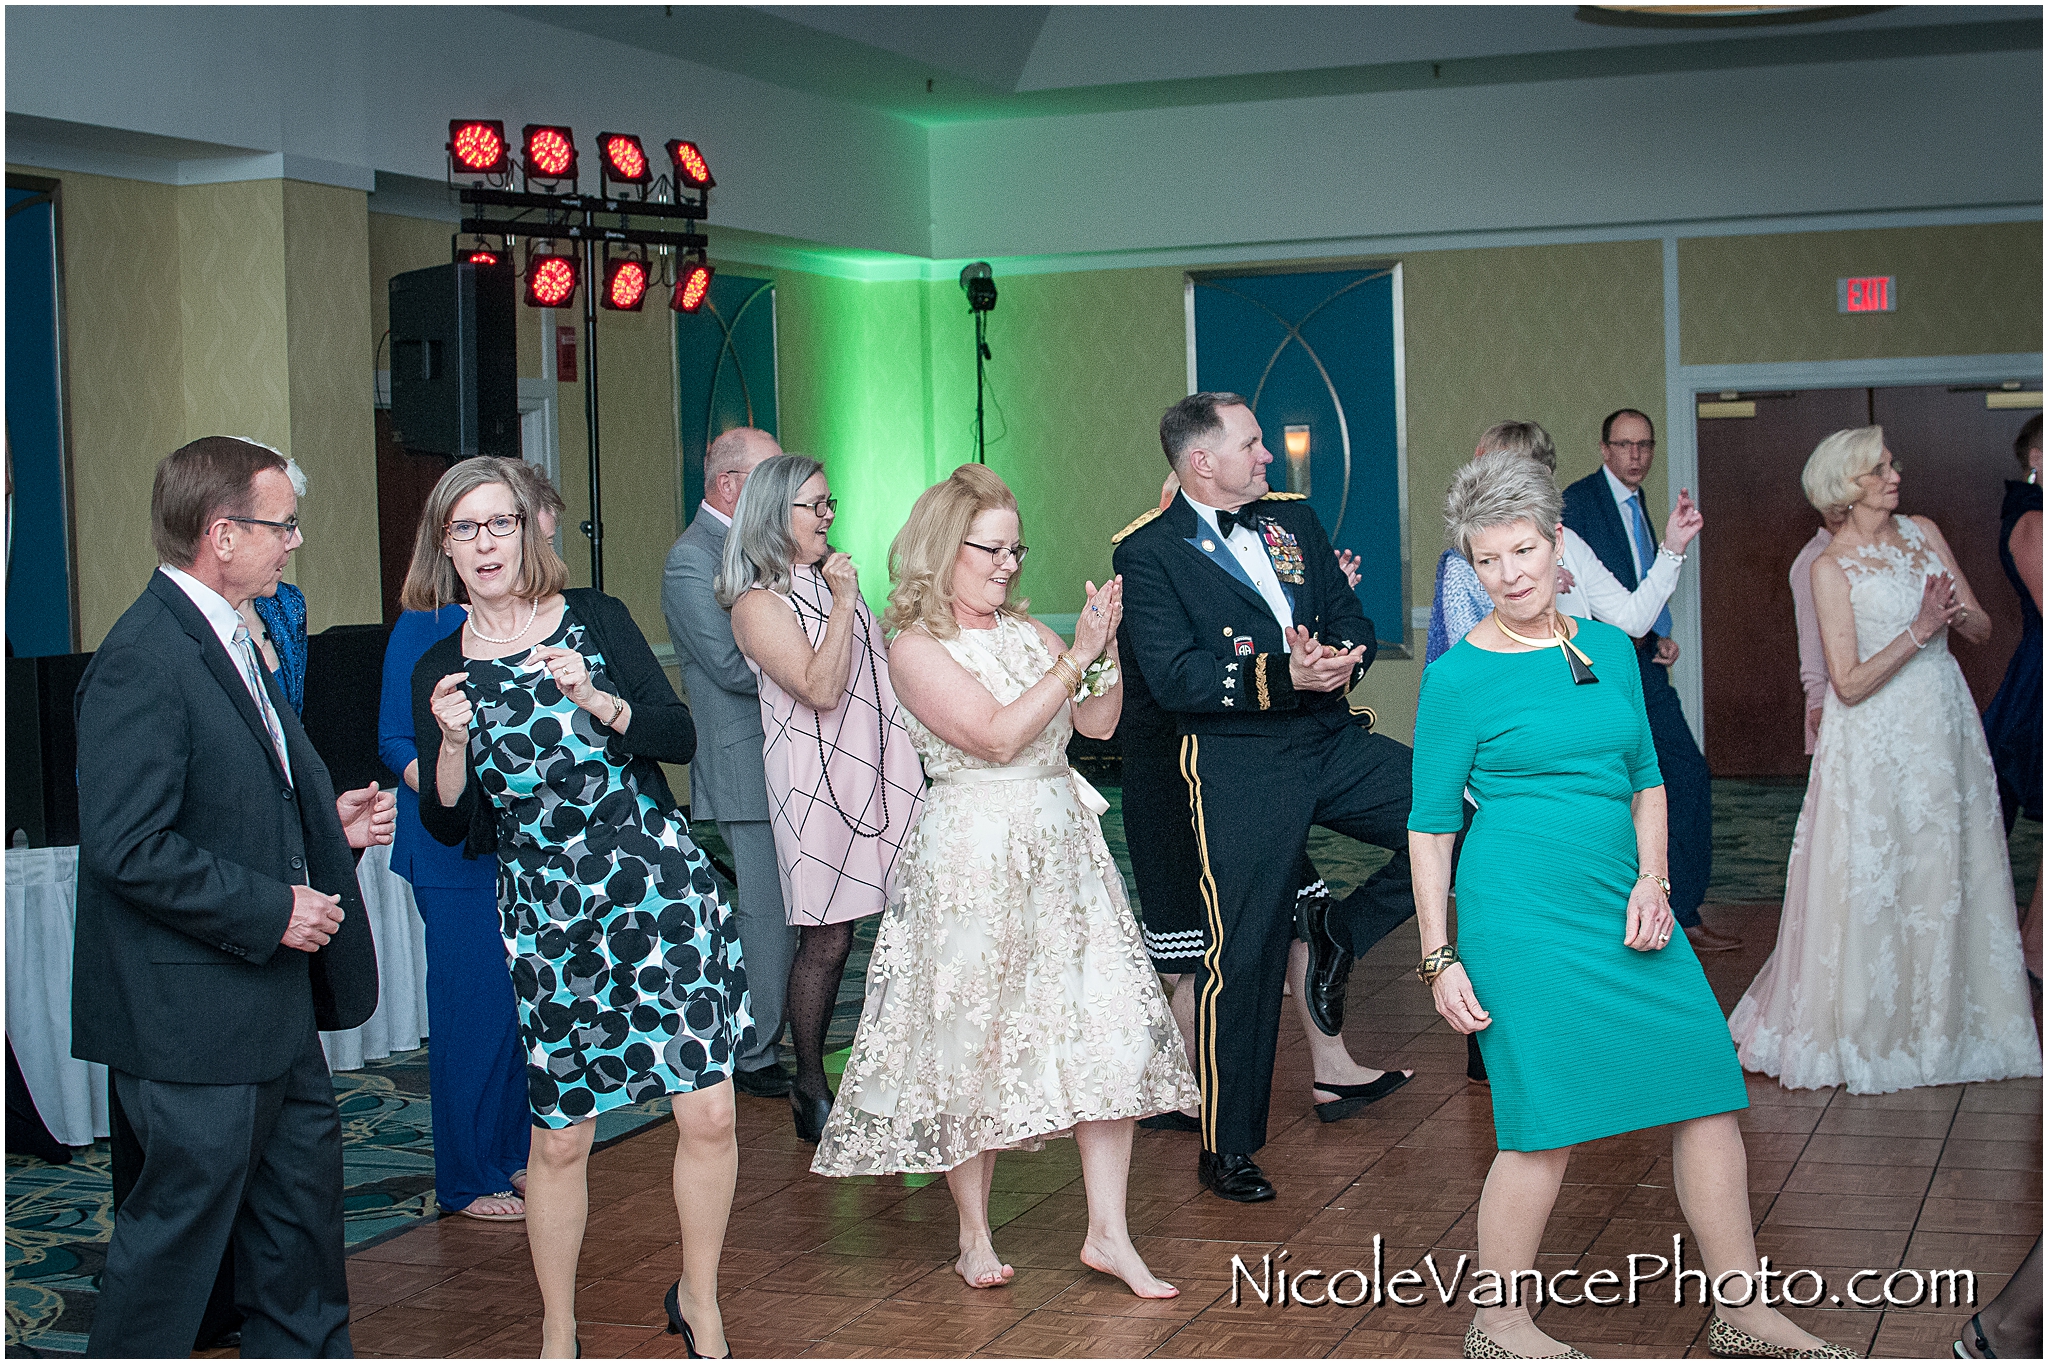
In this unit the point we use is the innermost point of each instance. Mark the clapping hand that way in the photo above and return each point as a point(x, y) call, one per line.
point(1315, 666)
point(1685, 522)
point(569, 669)
point(841, 576)
point(1940, 604)
point(1347, 564)
point(1095, 628)
point(452, 711)
point(367, 815)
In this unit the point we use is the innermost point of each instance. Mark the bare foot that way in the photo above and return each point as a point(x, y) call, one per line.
point(981, 1267)
point(1123, 1260)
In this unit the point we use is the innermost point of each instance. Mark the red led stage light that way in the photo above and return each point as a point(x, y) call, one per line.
point(625, 160)
point(625, 285)
point(690, 164)
point(482, 257)
point(478, 145)
point(550, 152)
point(693, 286)
point(550, 281)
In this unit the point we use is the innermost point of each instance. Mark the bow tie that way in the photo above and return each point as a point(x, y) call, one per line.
point(1245, 517)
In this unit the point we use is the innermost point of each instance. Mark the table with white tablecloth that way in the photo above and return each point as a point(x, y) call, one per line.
point(71, 1095)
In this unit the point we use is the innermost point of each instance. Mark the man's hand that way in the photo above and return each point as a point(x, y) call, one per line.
point(1667, 652)
point(315, 919)
point(1314, 667)
point(367, 815)
point(1813, 715)
point(1565, 581)
point(1684, 523)
point(1347, 564)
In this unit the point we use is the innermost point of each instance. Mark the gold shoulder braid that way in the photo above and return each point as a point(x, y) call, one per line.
point(1284, 497)
point(1118, 538)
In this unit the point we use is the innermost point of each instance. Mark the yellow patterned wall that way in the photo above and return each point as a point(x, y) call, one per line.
point(231, 296)
point(332, 433)
point(1972, 290)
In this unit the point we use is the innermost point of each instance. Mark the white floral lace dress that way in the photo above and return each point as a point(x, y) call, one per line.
point(1009, 995)
point(1898, 957)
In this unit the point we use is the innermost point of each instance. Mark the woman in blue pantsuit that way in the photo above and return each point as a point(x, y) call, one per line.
point(477, 1071)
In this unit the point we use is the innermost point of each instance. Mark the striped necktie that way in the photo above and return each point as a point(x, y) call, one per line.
point(252, 673)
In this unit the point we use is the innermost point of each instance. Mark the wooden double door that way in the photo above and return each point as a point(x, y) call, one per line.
point(1956, 454)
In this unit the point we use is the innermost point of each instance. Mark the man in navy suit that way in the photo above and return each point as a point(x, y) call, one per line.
point(1245, 630)
point(219, 925)
point(1606, 508)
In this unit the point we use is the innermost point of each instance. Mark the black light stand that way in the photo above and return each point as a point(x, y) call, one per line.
point(978, 281)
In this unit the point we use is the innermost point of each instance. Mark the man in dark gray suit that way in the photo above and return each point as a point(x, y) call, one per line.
point(219, 925)
point(726, 780)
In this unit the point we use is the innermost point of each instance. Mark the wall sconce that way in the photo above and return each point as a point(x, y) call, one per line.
point(1297, 460)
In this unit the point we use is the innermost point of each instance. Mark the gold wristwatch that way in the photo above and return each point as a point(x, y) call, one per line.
point(1663, 882)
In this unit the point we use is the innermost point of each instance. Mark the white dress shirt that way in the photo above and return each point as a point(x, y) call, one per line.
point(1625, 503)
point(1598, 595)
point(723, 519)
point(221, 614)
point(1258, 565)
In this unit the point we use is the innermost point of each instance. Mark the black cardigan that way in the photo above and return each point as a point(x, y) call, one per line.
point(662, 730)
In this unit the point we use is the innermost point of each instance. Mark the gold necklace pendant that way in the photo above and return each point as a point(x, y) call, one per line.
point(1574, 657)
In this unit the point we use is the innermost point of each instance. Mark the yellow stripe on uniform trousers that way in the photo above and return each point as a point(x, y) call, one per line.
point(1212, 957)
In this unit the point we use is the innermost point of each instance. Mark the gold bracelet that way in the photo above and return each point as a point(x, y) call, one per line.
point(618, 709)
point(1069, 676)
point(1436, 963)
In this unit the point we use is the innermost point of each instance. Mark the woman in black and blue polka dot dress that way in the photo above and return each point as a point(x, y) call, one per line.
point(547, 718)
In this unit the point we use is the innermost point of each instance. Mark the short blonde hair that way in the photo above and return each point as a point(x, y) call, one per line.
point(1837, 462)
point(432, 582)
point(1520, 438)
point(922, 555)
point(1500, 489)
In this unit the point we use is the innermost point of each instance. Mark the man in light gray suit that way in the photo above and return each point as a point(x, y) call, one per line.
point(726, 780)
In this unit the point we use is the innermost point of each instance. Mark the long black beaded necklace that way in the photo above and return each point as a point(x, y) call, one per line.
point(852, 822)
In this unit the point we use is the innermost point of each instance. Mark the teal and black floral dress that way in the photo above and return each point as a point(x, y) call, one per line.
point(625, 958)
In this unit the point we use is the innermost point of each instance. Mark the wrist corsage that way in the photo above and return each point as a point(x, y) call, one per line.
point(1098, 678)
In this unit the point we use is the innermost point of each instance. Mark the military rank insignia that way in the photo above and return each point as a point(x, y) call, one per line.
point(1244, 648)
point(1285, 552)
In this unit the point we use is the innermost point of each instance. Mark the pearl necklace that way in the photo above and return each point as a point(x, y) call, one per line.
point(532, 610)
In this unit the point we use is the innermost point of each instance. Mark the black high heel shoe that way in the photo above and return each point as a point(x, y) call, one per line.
point(679, 1326)
point(810, 1113)
point(1351, 1098)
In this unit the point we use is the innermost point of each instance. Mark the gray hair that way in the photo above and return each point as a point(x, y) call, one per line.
point(760, 545)
point(1829, 478)
point(730, 450)
point(1501, 489)
point(1520, 438)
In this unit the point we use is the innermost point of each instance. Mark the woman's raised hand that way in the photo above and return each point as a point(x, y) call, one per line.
point(1940, 603)
point(569, 669)
point(1452, 991)
point(841, 576)
point(452, 711)
point(1095, 628)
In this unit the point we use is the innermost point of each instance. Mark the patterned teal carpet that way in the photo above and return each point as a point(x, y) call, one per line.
point(58, 1216)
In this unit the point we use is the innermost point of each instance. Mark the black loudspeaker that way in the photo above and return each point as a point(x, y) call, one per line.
point(454, 361)
point(344, 676)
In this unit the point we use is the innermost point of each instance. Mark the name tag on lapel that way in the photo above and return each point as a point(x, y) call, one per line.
point(1285, 552)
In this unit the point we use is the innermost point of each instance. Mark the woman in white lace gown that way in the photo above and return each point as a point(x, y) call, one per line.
point(1009, 998)
point(1898, 956)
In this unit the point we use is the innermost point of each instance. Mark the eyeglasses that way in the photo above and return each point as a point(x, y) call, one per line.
point(290, 525)
point(997, 553)
point(1639, 447)
point(821, 508)
point(499, 527)
point(1891, 465)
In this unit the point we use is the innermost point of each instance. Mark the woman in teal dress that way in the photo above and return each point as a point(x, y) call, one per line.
point(542, 725)
point(1593, 1018)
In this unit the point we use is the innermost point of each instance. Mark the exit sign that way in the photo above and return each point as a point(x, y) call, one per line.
point(1867, 294)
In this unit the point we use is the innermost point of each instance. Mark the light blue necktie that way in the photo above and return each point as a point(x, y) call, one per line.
point(251, 668)
point(1646, 551)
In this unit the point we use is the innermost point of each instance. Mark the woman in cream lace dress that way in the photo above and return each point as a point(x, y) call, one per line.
point(1009, 998)
point(1898, 956)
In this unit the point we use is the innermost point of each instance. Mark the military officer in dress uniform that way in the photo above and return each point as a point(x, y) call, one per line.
point(1248, 635)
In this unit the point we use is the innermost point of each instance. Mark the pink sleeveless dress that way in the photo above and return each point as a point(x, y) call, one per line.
point(844, 785)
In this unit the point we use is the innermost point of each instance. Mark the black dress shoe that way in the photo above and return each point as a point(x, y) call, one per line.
point(1237, 1178)
point(1329, 964)
point(769, 1082)
point(1172, 1120)
point(810, 1113)
point(1352, 1098)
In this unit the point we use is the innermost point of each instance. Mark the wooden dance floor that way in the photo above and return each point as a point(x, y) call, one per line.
point(1925, 1179)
